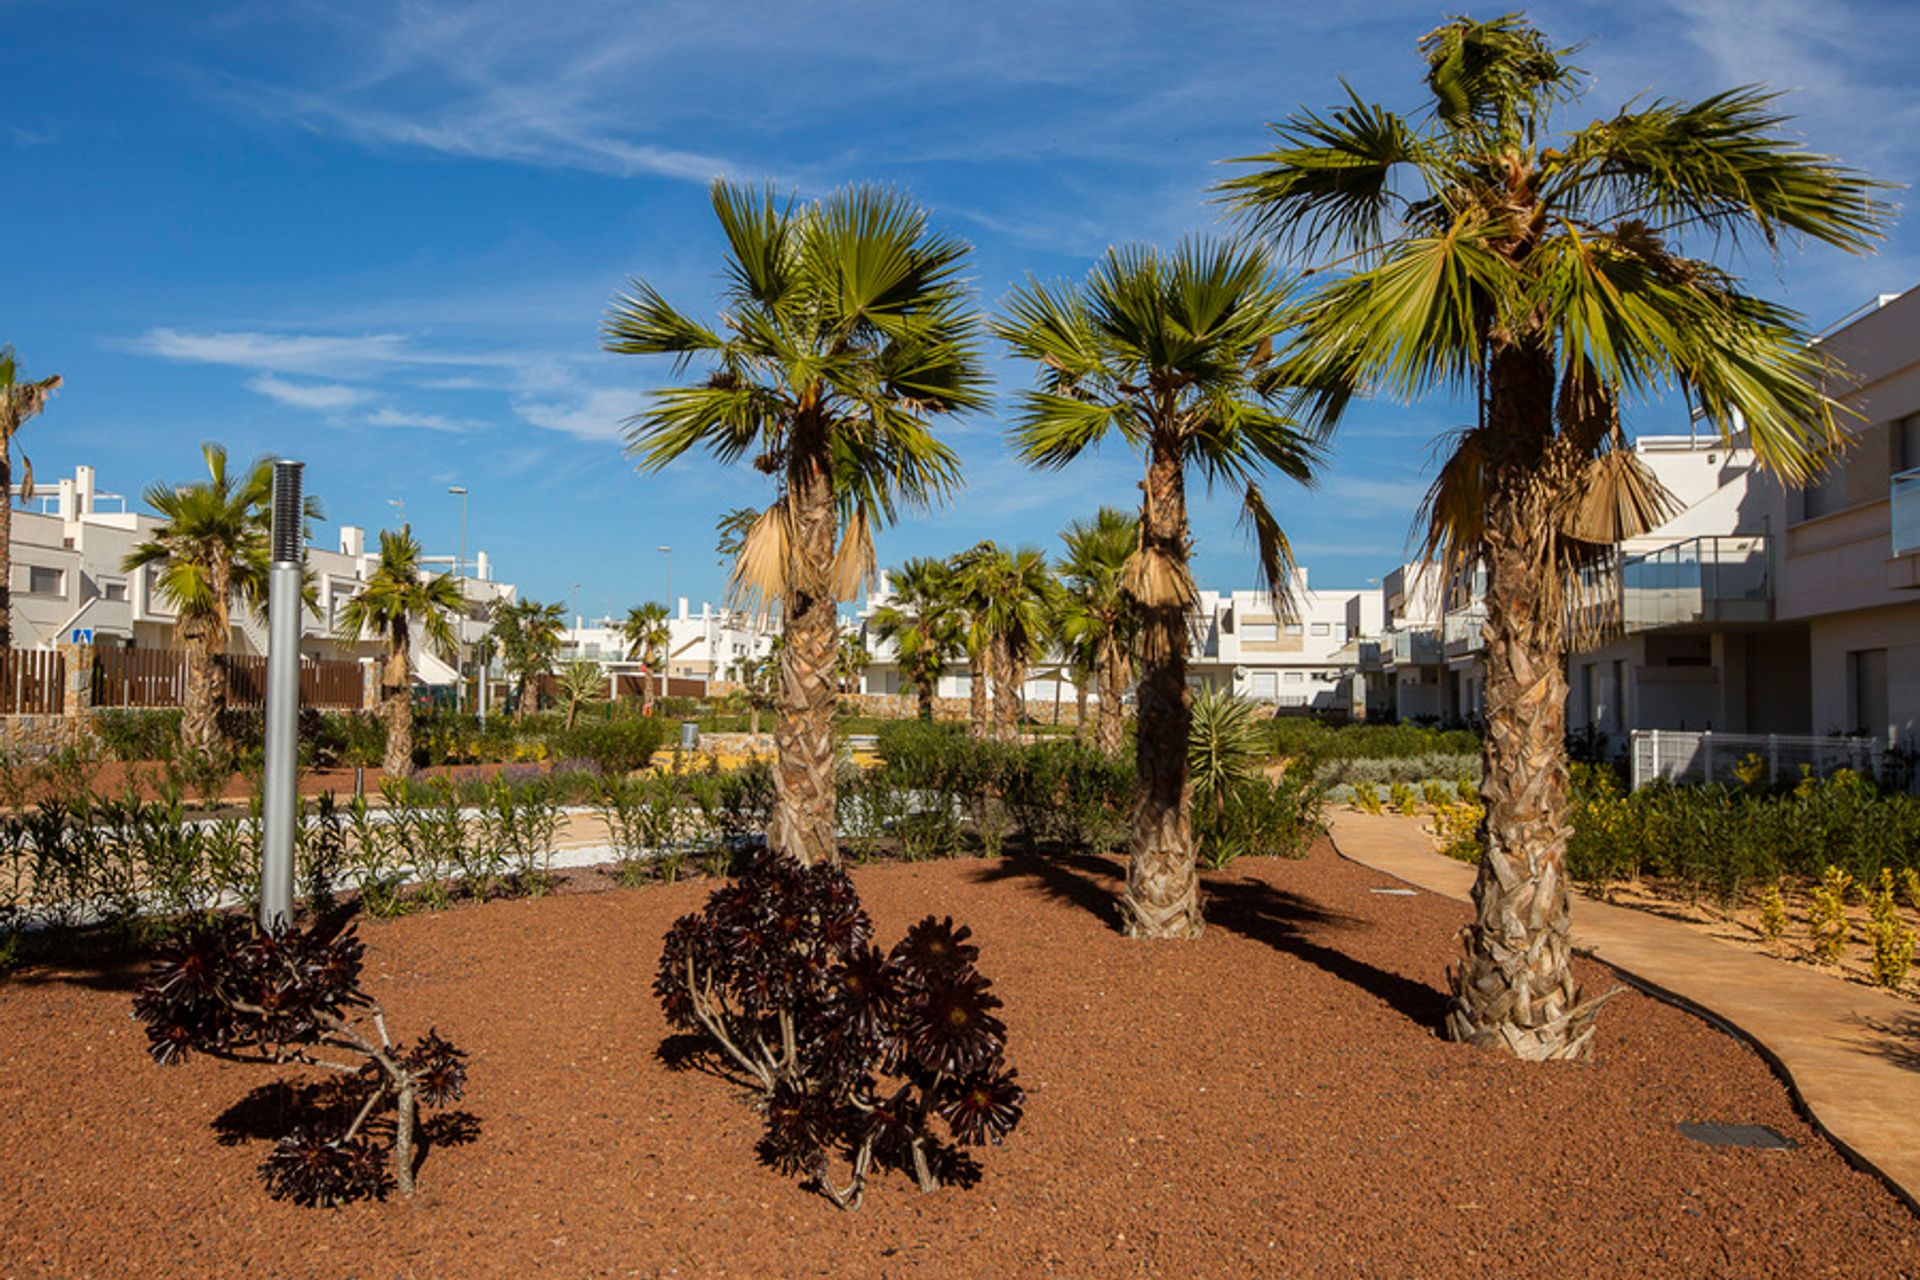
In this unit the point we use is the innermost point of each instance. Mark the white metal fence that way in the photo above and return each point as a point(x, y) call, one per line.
point(1677, 755)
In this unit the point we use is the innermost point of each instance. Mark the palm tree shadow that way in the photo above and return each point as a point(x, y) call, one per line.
point(1250, 907)
point(1288, 923)
point(1897, 1040)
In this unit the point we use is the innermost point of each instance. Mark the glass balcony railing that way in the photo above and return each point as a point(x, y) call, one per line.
point(1714, 579)
point(1906, 512)
point(1460, 631)
point(1413, 647)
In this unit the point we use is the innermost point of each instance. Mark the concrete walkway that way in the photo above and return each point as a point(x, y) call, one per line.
point(1850, 1053)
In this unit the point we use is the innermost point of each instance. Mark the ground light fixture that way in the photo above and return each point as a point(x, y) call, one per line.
point(277, 800)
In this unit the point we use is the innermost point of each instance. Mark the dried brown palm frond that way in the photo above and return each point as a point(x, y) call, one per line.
point(759, 578)
point(1618, 497)
point(1454, 510)
point(854, 563)
point(1158, 579)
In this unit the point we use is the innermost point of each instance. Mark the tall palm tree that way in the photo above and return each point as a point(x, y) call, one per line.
point(211, 546)
point(1476, 248)
point(1020, 600)
point(923, 623)
point(1171, 352)
point(19, 401)
point(1098, 623)
point(845, 328)
point(398, 594)
point(648, 635)
point(528, 634)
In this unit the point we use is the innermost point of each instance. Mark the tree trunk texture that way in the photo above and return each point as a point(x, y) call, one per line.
point(1006, 693)
point(1514, 988)
point(396, 691)
point(1082, 729)
point(979, 675)
point(1162, 899)
point(206, 645)
point(803, 810)
point(1112, 674)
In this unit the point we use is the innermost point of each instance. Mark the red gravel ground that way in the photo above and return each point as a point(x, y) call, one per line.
point(1267, 1101)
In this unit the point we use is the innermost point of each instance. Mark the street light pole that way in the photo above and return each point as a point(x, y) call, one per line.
point(459, 577)
point(282, 713)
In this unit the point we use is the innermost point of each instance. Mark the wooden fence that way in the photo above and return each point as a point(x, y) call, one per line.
point(158, 678)
point(32, 682)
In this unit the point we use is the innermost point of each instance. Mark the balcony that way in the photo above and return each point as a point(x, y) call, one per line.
point(1460, 631)
point(1700, 580)
point(1412, 647)
point(1906, 512)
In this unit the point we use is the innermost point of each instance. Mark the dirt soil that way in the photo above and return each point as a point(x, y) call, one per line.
point(1270, 1100)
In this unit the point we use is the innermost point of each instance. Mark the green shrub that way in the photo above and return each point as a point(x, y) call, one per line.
point(1261, 819)
point(138, 735)
point(618, 747)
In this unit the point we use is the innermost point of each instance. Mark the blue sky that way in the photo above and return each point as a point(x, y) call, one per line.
point(382, 237)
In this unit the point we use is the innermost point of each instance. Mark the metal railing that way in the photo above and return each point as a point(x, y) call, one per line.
point(1709, 579)
point(1905, 515)
point(1415, 646)
point(1677, 755)
point(1460, 632)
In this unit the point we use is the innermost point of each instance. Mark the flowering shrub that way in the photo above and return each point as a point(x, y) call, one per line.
point(849, 1049)
point(232, 990)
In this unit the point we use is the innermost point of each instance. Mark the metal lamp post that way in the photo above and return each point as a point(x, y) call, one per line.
point(277, 798)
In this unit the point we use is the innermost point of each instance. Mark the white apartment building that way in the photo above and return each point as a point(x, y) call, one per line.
point(1305, 660)
point(706, 646)
point(70, 542)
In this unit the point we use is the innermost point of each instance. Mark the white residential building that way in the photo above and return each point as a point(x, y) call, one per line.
point(70, 541)
point(705, 647)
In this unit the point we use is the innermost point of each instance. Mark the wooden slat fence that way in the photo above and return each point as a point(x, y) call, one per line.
point(158, 678)
point(32, 682)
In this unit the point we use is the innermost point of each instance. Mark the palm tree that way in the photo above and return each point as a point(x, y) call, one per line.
point(528, 634)
point(397, 594)
point(852, 662)
point(19, 401)
point(211, 546)
point(970, 607)
point(1020, 600)
point(924, 625)
point(1171, 352)
point(648, 635)
point(1098, 623)
point(581, 680)
point(845, 328)
point(1542, 272)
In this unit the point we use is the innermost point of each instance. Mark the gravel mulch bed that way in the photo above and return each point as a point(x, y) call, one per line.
point(1268, 1101)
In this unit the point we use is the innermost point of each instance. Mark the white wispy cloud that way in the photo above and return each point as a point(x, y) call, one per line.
point(308, 395)
point(273, 352)
point(388, 416)
point(598, 414)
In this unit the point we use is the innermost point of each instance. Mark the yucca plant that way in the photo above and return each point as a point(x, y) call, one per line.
point(1226, 746)
point(1172, 353)
point(845, 328)
point(1478, 248)
point(581, 681)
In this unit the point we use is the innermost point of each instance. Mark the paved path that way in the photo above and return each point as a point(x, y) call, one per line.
point(1851, 1053)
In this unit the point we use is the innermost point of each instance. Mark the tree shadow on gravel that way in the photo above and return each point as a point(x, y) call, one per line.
point(270, 1111)
point(1084, 880)
point(1257, 910)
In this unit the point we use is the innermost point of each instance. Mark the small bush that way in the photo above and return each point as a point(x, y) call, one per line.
point(1773, 913)
point(1457, 827)
point(1365, 798)
point(1827, 915)
point(616, 746)
point(230, 990)
point(1262, 819)
point(138, 735)
point(847, 1049)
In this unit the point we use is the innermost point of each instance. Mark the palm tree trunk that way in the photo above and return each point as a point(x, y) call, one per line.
point(979, 674)
point(1082, 730)
point(199, 727)
point(1112, 676)
point(1006, 704)
point(6, 546)
point(1515, 987)
point(1163, 879)
point(396, 690)
point(803, 810)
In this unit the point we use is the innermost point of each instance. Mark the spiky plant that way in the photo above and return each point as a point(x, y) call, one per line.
point(1172, 353)
point(1479, 248)
point(845, 329)
point(398, 595)
point(581, 680)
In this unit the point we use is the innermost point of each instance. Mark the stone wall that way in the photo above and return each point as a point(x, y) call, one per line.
point(41, 735)
point(904, 706)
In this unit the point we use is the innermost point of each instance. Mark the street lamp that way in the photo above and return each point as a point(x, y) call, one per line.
point(668, 553)
point(460, 565)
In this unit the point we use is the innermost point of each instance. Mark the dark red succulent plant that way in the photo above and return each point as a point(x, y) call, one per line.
point(852, 1050)
point(229, 989)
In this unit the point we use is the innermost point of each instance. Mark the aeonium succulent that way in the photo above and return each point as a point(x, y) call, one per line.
point(895, 1059)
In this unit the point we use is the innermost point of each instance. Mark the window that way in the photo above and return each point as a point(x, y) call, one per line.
point(1908, 431)
point(1322, 629)
point(1867, 691)
point(1257, 632)
point(1296, 677)
point(42, 581)
point(1293, 700)
point(1265, 684)
point(1340, 632)
point(1293, 628)
point(113, 591)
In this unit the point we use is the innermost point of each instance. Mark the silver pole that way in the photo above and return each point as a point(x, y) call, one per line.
point(277, 801)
